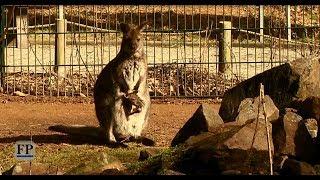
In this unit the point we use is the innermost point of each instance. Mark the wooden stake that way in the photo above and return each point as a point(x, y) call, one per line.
point(267, 127)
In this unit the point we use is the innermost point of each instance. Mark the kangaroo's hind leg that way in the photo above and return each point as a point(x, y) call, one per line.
point(104, 115)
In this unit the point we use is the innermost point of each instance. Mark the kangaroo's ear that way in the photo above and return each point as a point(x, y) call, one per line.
point(124, 27)
point(142, 26)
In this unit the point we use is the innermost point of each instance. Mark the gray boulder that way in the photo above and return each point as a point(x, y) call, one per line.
point(292, 137)
point(227, 148)
point(310, 108)
point(248, 110)
point(294, 167)
point(312, 127)
point(203, 119)
point(286, 83)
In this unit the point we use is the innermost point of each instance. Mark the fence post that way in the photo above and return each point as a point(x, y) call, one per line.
point(261, 20)
point(225, 48)
point(288, 14)
point(60, 42)
point(21, 14)
point(2, 46)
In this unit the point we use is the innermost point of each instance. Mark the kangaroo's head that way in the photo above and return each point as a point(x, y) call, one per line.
point(132, 41)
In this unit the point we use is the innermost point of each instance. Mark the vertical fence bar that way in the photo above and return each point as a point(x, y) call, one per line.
point(28, 67)
point(154, 50)
point(288, 16)
point(263, 44)
point(49, 46)
point(169, 54)
point(94, 40)
point(304, 34)
point(255, 42)
point(86, 47)
point(247, 35)
point(72, 34)
point(162, 63)
point(22, 27)
point(2, 47)
point(178, 74)
point(60, 42)
point(217, 47)
point(13, 52)
point(42, 57)
point(208, 33)
point(261, 22)
point(224, 48)
point(193, 62)
point(200, 52)
point(7, 69)
point(239, 39)
point(35, 54)
point(79, 51)
point(184, 51)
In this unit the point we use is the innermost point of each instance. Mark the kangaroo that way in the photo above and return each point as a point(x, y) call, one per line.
point(121, 93)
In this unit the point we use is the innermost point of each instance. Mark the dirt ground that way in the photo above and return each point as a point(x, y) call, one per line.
point(20, 116)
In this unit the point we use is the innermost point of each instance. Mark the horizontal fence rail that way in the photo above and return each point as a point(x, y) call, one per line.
point(192, 50)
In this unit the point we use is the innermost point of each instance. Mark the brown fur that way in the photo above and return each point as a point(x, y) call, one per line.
point(121, 93)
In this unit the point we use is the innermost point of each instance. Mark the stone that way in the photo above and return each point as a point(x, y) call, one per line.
point(204, 118)
point(284, 84)
point(312, 127)
point(244, 137)
point(96, 164)
point(310, 108)
point(23, 168)
point(291, 123)
point(292, 138)
point(147, 153)
point(226, 148)
point(248, 110)
point(294, 167)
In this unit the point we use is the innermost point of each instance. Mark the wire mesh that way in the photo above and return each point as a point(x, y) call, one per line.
point(181, 45)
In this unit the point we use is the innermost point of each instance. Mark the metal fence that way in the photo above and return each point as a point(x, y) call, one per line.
point(181, 45)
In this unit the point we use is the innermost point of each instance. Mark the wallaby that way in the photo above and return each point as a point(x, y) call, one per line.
point(121, 93)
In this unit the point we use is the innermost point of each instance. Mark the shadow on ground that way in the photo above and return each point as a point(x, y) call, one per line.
point(74, 135)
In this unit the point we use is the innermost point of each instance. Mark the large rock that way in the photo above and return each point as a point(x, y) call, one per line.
point(294, 167)
point(286, 83)
point(226, 148)
point(310, 108)
point(248, 110)
point(23, 168)
point(204, 118)
point(292, 137)
point(312, 127)
point(95, 164)
point(252, 132)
